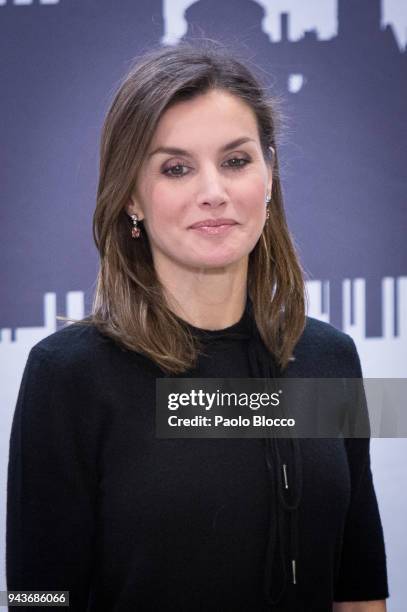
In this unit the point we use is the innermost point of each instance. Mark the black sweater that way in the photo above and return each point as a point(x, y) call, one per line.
point(125, 521)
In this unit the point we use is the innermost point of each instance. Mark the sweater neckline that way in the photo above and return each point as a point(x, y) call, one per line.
point(242, 328)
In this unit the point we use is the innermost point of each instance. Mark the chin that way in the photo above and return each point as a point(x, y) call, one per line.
point(213, 261)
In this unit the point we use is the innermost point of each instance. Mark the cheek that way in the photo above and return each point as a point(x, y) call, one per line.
point(164, 210)
point(253, 202)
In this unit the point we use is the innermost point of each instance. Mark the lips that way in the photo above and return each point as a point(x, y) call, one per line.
point(213, 223)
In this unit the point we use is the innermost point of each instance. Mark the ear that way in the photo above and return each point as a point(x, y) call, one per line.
point(270, 165)
point(269, 179)
point(133, 208)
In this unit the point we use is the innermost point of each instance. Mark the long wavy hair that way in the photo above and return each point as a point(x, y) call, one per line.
point(129, 303)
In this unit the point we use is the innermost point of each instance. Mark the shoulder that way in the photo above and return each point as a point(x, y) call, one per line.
point(323, 350)
point(73, 341)
point(81, 347)
point(323, 336)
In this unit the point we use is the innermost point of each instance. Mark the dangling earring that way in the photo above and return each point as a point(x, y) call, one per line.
point(268, 200)
point(135, 231)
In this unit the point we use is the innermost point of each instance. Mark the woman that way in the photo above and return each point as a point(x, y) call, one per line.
point(198, 278)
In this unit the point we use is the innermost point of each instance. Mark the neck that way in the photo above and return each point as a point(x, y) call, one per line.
point(207, 298)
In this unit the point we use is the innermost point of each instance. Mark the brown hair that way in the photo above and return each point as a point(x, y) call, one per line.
point(129, 304)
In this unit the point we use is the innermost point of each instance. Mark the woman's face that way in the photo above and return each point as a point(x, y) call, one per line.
point(218, 173)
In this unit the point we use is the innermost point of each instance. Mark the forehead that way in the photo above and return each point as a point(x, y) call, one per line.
point(212, 118)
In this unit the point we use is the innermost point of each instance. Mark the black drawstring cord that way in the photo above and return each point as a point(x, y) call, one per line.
point(286, 486)
point(290, 496)
point(276, 527)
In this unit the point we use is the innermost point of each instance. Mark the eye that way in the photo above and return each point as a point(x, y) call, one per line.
point(238, 165)
point(168, 171)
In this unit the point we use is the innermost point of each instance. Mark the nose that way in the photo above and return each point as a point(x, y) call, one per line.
point(211, 188)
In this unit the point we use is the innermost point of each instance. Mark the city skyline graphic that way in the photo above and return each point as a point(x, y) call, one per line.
point(391, 345)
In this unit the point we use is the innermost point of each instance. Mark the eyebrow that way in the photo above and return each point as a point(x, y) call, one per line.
point(177, 151)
